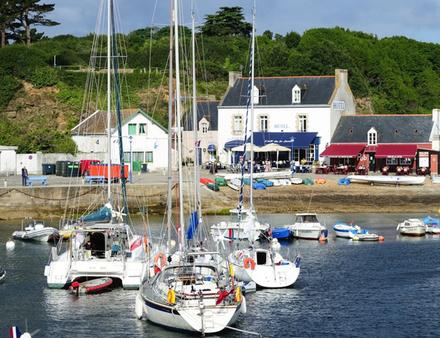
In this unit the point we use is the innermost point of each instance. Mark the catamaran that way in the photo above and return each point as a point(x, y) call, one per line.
point(102, 244)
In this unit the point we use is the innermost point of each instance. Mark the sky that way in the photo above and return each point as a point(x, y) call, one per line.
point(415, 19)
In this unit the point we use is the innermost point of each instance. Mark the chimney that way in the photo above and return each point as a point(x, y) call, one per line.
point(341, 77)
point(233, 76)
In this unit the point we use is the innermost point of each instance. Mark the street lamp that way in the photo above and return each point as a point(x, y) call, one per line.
point(130, 138)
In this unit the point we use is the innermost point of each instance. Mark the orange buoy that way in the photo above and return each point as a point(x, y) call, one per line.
point(381, 238)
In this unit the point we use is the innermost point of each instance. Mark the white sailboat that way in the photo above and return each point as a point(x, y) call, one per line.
point(266, 268)
point(102, 244)
point(192, 292)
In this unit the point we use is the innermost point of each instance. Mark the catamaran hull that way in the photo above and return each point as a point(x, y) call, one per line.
point(214, 319)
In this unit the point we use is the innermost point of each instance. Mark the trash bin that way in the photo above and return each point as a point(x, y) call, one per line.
point(48, 169)
point(144, 167)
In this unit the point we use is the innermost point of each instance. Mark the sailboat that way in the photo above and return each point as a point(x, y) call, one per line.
point(102, 244)
point(265, 267)
point(192, 292)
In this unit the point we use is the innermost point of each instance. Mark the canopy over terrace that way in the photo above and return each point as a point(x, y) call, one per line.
point(343, 150)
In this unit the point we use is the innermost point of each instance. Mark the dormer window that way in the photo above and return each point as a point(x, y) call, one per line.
point(256, 95)
point(372, 137)
point(204, 127)
point(296, 94)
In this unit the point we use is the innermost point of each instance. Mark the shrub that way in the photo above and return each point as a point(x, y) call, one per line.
point(44, 77)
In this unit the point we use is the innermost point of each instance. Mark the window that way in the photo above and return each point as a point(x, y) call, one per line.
point(142, 129)
point(312, 153)
point(238, 124)
point(405, 161)
point(137, 156)
point(256, 95)
point(149, 156)
point(391, 161)
point(204, 127)
point(302, 123)
point(339, 105)
point(296, 94)
point(131, 129)
point(372, 137)
point(264, 125)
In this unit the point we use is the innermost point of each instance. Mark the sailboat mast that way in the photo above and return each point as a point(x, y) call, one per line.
point(109, 99)
point(197, 204)
point(251, 200)
point(179, 128)
point(170, 128)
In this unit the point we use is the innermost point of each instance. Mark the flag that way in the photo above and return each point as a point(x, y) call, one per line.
point(14, 332)
point(197, 144)
point(136, 244)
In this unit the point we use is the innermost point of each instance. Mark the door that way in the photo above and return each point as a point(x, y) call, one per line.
point(434, 163)
point(372, 160)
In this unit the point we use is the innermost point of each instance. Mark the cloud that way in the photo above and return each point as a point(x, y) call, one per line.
point(415, 19)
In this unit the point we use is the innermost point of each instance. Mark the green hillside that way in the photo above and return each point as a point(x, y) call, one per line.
point(39, 104)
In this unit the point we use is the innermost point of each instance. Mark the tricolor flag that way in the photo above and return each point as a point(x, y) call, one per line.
point(14, 332)
point(197, 144)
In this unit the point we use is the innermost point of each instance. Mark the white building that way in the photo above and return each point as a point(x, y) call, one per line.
point(8, 160)
point(299, 112)
point(207, 121)
point(146, 139)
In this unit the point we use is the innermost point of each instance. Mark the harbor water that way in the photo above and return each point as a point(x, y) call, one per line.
point(345, 289)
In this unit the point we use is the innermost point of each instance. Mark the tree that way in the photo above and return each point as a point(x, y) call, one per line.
point(227, 21)
point(8, 14)
point(292, 39)
point(268, 34)
point(33, 14)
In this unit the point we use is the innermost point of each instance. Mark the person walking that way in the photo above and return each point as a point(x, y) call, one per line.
point(24, 176)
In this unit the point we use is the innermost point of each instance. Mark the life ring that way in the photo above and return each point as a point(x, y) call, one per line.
point(249, 262)
point(162, 258)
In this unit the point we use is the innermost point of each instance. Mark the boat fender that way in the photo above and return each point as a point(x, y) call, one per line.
point(146, 244)
point(243, 307)
point(171, 296)
point(249, 262)
point(162, 258)
point(139, 308)
point(237, 294)
point(381, 238)
point(231, 270)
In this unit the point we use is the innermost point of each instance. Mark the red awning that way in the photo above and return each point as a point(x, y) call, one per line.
point(396, 150)
point(343, 150)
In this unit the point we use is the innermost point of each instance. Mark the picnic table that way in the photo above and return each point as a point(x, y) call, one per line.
point(30, 180)
point(361, 170)
point(341, 170)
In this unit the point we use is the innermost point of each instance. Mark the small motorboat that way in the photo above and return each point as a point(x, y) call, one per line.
point(412, 227)
point(281, 233)
point(432, 225)
point(36, 232)
point(345, 230)
point(91, 286)
point(367, 237)
point(2, 275)
point(307, 226)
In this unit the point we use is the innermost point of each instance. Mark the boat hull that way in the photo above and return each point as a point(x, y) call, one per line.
point(396, 180)
point(215, 319)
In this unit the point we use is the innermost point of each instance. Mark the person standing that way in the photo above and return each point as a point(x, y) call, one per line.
point(24, 176)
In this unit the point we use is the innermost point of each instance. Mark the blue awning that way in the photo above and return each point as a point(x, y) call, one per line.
point(211, 148)
point(231, 144)
point(289, 140)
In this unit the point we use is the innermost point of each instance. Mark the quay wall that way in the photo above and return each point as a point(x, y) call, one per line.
point(52, 201)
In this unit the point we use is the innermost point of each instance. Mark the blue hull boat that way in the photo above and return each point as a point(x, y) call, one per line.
point(281, 233)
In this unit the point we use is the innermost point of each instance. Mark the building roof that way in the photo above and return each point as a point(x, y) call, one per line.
point(96, 123)
point(389, 128)
point(206, 109)
point(277, 91)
